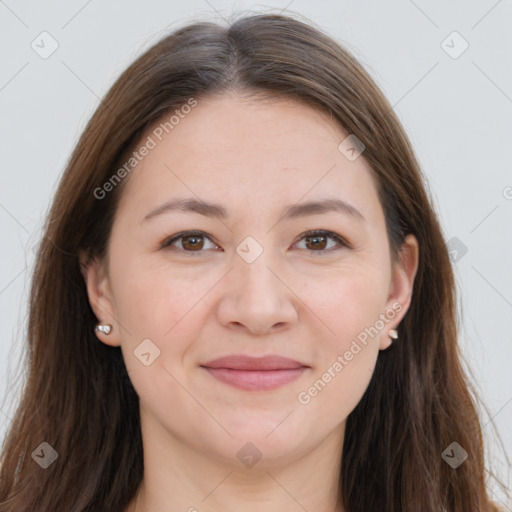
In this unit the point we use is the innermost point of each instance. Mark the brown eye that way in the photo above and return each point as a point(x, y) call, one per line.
point(322, 241)
point(316, 242)
point(191, 242)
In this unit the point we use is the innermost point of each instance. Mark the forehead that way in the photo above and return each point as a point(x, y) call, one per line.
point(250, 152)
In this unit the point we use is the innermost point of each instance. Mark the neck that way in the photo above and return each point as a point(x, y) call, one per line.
point(180, 477)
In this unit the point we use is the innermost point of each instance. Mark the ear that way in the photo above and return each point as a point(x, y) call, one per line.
point(100, 297)
point(401, 287)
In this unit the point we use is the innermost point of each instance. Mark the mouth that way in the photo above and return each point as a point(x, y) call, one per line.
point(255, 373)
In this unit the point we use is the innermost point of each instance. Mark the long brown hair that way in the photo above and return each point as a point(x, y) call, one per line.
point(78, 397)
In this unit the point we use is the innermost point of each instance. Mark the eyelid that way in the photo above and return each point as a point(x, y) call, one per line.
point(184, 234)
point(311, 233)
point(328, 234)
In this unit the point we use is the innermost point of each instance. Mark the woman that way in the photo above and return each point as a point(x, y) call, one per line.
point(243, 299)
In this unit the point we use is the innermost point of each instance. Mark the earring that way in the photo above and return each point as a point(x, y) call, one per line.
point(393, 334)
point(104, 328)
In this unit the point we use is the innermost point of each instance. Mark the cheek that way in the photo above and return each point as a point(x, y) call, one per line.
point(152, 299)
point(347, 301)
point(337, 388)
point(156, 305)
point(350, 307)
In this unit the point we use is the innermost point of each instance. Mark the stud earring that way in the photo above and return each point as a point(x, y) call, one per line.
point(104, 328)
point(393, 334)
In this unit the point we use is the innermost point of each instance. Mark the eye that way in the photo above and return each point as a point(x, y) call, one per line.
point(189, 241)
point(194, 241)
point(317, 241)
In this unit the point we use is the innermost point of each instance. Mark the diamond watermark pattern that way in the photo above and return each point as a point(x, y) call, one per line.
point(456, 248)
point(249, 455)
point(44, 455)
point(351, 148)
point(454, 45)
point(44, 45)
point(249, 249)
point(454, 455)
point(146, 352)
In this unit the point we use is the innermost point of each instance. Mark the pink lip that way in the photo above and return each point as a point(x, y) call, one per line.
point(255, 373)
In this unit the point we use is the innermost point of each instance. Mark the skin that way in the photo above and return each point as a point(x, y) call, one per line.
point(295, 300)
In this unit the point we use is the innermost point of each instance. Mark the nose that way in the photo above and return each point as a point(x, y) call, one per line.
point(256, 297)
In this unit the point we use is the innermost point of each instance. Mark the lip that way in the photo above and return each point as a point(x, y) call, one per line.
point(255, 373)
point(243, 362)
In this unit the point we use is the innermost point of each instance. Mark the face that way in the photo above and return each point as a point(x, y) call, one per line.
point(310, 292)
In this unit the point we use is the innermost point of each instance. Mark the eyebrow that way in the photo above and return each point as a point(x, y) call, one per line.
point(192, 205)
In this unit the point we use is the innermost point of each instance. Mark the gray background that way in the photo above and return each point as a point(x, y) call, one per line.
point(457, 112)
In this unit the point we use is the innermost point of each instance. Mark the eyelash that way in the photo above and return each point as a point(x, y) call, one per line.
point(309, 234)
